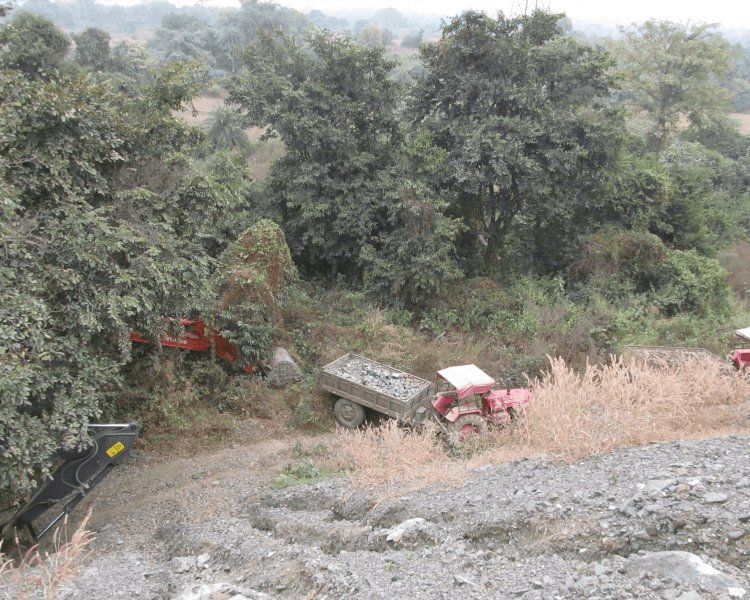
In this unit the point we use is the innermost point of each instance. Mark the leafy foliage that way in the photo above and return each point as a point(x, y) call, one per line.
point(690, 283)
point(88, 253)
point(519, 110)
point(224, 130)
point(92, 49)
point(672, 70)
point(334, 109)
point(253, 276)
point(33, 45)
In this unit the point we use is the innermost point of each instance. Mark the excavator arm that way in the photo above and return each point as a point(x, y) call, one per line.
point(76, 475)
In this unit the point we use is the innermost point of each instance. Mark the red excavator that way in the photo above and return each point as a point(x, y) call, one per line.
point(198, 336)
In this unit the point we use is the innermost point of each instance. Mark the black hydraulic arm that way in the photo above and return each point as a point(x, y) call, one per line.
point(76, 476)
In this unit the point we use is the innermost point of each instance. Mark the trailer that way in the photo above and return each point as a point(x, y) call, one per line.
point(739, 358)
point(359, 383)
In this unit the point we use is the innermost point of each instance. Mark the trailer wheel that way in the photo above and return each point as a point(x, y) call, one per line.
point(348, 414)
point(467, 425)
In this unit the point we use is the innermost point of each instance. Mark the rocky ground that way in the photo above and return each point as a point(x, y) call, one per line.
point(667, 521)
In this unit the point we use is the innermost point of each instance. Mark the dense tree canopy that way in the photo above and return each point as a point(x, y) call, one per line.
point(521, 113)
point(92, 49)
point(334, 109)
point(33, 45)
point(106, 227)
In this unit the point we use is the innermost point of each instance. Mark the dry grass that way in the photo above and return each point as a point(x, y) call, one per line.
point(574, 415)
point(42, 575)
point(391, 454)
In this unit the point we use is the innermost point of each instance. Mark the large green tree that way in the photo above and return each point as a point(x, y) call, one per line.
point(672, 71)
point(239, 29)
point(333, 106)
point(521, 113)
point(352, 197)
point(92, 49)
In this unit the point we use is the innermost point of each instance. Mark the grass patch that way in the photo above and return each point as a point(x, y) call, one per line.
point(303, 471)
point(305, 468)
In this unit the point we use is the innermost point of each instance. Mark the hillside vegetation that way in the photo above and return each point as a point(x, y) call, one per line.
point(508, 195)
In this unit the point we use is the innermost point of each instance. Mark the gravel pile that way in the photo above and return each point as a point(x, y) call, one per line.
point(664, 522)
point(378, 377)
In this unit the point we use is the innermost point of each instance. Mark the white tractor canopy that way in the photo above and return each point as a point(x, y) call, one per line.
point(744, 333)
point(467, 379)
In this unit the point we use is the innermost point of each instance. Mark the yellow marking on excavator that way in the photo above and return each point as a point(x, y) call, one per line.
point(115, 449)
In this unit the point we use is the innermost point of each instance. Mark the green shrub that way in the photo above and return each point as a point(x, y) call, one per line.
point(689, 282)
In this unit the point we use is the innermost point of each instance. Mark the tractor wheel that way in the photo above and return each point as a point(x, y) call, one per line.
point(348, 414)
point(467, 425)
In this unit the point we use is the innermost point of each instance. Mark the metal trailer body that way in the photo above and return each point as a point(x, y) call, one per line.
point(414, 409)
point(669, 355)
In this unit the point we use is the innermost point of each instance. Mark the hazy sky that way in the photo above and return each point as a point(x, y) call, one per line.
point(730, 13)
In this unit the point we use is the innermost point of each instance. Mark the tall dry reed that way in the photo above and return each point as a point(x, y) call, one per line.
point(575, 415)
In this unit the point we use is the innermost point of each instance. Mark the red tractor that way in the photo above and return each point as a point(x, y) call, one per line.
point(741, 357)
point(466, 399)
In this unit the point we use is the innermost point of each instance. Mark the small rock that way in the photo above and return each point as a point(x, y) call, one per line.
point(630, 506)
point(182, 564)
point(462, 580)
point(587, 582)
point(657, 487)
point(715, 498)
point(396, 533)
point(735, 534)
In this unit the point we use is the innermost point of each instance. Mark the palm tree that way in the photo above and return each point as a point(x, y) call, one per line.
point(224, 129)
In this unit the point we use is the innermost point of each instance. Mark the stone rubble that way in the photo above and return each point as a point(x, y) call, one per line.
point(378, 377)
point(667, 521)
